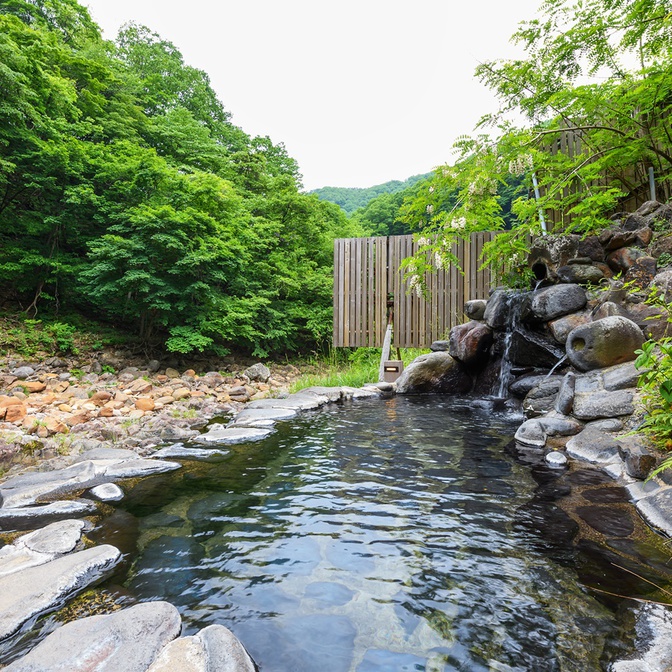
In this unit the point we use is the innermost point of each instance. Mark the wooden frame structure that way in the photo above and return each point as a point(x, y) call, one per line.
point(368, 282)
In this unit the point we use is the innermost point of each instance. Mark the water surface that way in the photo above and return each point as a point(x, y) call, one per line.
point(383, 536)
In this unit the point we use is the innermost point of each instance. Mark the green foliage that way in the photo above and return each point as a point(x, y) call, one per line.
point(127, 193)
point(602, 69)
point(354, 198)
point(655, 382)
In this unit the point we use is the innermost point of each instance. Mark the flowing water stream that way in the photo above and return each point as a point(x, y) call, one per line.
point(392, 535)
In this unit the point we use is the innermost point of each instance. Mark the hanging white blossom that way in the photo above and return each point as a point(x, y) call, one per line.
point(521, 164)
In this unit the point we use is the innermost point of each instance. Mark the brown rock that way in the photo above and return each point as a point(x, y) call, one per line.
point(55, 426)
point(165, 400)
point(189, 373)
point(172, 373)
point(30, 385)
point(101, 397)
point(65, 408)
point(642, 272)
point(106, 412)
point(6, 401)
point(145, 404)
point(181, 393)
point(622, 259)
point(77, 418)
point(15, 413)
point(141, 386)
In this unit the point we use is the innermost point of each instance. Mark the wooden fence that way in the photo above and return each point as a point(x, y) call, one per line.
point(368, 283)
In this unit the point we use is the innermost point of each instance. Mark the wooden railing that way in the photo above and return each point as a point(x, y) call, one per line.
point(369, 288)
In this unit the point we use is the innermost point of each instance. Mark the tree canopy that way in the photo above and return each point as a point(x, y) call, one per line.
point(127, 193)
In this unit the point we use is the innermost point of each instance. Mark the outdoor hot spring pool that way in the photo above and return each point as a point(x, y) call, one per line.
point(392, 535)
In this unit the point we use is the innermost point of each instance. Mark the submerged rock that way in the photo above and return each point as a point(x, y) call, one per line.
point(124, 641)
point(435, 372)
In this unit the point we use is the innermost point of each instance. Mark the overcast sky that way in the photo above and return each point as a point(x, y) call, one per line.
point(359, 91)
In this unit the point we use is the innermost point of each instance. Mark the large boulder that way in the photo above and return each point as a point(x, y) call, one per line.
point(561, 327)
point(470, 343)
point(553, 302)
point(529, 348)
point(609, 341)
point(500, 309)
point(129, 640)
point(435, 372)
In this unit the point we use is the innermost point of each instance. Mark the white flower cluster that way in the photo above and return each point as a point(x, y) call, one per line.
point(429, 209)
point(521, 164)
point(423, 242)
point(438, 260)
point(483, 187)
point(415, 284)
point(459, 223)
point(431, 190)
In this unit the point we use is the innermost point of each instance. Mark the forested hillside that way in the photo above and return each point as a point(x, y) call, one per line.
point(127, 194)
point(353, 198)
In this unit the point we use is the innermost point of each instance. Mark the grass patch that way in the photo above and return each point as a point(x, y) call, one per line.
point(347, 367)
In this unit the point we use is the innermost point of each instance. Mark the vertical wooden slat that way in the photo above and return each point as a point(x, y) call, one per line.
point(358, 292)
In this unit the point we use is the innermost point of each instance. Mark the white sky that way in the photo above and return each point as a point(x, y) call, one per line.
point(360, 91)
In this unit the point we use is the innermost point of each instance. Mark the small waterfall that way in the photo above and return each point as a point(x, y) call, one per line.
point(555, 366)
point(514, 305)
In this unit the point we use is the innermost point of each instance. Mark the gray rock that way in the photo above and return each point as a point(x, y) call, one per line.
point(662, 283)
point(153, 365)
point(531, 433)
point(440, 346)
point(258, 372)
point(304, 400)
point(107, 492)
point(229, 435)
point(102, 453)
point(475, 309)
point(23, 372)
point(602, 404)
point(654, 641)
point(593, 446)
point(129, 640)
point(640, 489)
point(606, 425)
point(541, 399)
point(180, 452)
point(33, 487)
point(39, 589)
point(553, 302)
point(621, 376)
point(255, 416)
point(561, 327)
point(657, 510)
point(565, 399)
point(498, 310)
point(608, 309)
point(213, 649)
point(523, 385)
point(606, 342)
point(41, 546)
point(638, 460)
point(360, 392)
point(24, 517)
point(580, 274)
point(548, 253)
point(556, 459)
point(323, 394)
point(436, 372)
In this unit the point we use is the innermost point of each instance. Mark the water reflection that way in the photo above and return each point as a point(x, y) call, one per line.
point(384, 536)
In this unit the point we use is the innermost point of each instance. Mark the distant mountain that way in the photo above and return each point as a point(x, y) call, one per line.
point(352, 198)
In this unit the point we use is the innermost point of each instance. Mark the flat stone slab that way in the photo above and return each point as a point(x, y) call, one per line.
point(180, 452)
point(36, 590)
point(656, 509)
point(41, 546)
point(294, 402)
point(602, 404)
point(33, 487)
point(129, 640)
point(213, 649)
point(593, 446)
point(229, 435)
point(620, 376)
point(259, 416)
point(23, 517)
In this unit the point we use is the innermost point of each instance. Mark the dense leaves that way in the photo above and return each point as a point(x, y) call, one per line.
point(127, 193)
point(592, 101)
